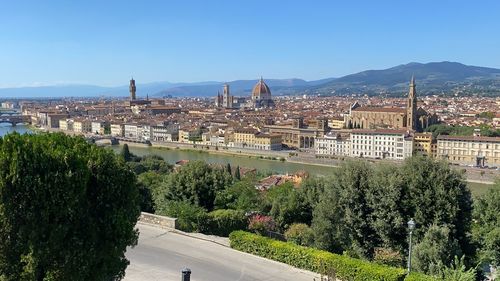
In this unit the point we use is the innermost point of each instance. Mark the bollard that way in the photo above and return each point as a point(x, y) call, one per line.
point(186, 274)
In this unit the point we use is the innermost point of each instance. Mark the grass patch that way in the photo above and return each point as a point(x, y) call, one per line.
point(478, 189)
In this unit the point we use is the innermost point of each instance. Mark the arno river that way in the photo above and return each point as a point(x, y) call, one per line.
point(174, 155)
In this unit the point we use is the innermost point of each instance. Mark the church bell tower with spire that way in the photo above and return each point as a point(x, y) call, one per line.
point(411, 109)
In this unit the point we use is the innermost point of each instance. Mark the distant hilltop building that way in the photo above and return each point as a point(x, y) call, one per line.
point(411, 118)
point(261, 95)
point(260, 98)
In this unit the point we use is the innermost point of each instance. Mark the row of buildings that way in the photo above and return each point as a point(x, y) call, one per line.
point(473, 150)
point(381, 128)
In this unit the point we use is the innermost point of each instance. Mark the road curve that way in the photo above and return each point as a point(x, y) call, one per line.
point(161, 255)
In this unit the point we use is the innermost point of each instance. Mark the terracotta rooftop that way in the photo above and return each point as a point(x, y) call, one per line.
point(469, 138)
point(380, 109)
point(380, 131)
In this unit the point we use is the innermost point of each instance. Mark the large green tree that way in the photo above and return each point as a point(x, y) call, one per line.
point(487, 225)
point(67, 209)
point(196, 182)
point(438, 195)
point(363, 207)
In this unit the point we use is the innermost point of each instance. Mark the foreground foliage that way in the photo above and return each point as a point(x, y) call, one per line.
point(344, 268)
point(67, 209)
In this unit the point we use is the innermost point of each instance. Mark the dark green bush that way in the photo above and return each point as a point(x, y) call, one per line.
point(345, 268)
point(223, 222)
point(188, 215)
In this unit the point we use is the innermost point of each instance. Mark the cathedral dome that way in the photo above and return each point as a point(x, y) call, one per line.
point(261, 90)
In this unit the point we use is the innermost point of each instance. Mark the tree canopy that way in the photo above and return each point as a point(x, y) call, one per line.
point(67, 209)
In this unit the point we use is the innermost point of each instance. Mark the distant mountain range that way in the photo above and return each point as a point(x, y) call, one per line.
point(434, 77)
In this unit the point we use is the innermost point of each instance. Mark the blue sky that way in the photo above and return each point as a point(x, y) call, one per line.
point(105, 42)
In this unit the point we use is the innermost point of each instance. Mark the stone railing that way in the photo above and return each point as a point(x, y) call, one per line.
point(161, 221)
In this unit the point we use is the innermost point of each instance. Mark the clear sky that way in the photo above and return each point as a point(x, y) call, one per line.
point(104, 42)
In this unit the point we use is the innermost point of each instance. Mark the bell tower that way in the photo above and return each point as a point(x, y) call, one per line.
point(132, 89)
point(411, 109)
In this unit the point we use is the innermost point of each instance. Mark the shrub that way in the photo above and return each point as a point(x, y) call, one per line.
point(261, 224)
point(300, 234)
point(345, 268)
point(223, 222)
point(415, 276)
point(387, 257)
point(188, 215)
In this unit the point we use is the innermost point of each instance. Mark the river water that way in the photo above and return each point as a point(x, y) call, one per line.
point(263, 165)
point(7, 128)
point(174, 155)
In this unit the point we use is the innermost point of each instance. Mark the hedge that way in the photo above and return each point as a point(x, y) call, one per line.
point(322, 262)
point(414, 276)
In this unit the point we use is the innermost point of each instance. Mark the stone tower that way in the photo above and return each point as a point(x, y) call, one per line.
point(132, 89)
point(411, 109)
point(226, 97)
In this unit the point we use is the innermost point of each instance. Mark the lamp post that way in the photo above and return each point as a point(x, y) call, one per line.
point(411, 227)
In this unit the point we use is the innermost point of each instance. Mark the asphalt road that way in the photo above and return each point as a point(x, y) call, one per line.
point(161, 255)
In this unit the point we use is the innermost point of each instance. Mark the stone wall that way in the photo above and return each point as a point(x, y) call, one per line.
point(161, 221)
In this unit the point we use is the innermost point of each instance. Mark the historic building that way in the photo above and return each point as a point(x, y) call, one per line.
point(381, 144)
point(133, 101)
point(424, 144)
point(469, 150)
point(299, 135)
point(261, 96)
point(411, 118)
point(252, 139)
point(132, 89)
point(333, 144)
point(226, 100)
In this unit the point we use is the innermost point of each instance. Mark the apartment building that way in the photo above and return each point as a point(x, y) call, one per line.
point(333, 143)
point(165, 132)
point(132, 131)
point(117, 129)
point(469, 150)
point(66, 124)
point(381, 144)
point(82, 126)
point(423, 144)
point(252, 139)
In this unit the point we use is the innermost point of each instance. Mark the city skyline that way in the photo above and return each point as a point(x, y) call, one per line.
point(101, 43)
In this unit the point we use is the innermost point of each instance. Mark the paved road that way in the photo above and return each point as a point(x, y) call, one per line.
point(161, 254)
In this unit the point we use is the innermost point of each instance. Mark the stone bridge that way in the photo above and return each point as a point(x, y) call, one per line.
point(15, 119)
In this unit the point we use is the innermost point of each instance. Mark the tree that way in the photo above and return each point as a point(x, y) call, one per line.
point(435, 251)
point(125, 153)
point(437, 194)
point(388, 216)
point(237, 174)
point(241, 195)
point(486, 229)
point(300, 234)
point(148, 182)
point(228, 169)
point(67, 209)
point(288, 206)
point(196, 182)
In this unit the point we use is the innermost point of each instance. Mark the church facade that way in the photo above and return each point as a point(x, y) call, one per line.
point(410, 118)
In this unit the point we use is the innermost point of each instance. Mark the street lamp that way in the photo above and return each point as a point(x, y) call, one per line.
point(411, 227)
